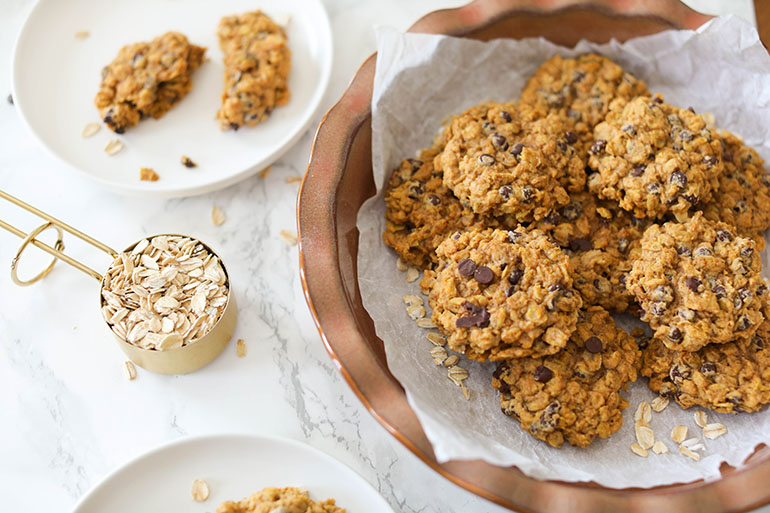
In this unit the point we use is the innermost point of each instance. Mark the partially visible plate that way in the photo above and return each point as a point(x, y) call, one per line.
point(234, 467)
point(56, 76)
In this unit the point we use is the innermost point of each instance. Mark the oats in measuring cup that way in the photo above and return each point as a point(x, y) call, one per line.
point(165, 293)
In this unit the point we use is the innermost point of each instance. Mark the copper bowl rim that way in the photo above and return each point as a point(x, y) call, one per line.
point(449, 22)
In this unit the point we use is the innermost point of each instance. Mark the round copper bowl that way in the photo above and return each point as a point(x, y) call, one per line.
point(339, 180)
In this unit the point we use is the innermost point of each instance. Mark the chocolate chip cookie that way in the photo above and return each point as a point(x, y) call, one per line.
point(698, 283)
point(601, 240)
point(581, 88)
point(420, 212)
point(257, 65)
point(655, 159)
point(727, 378)
point(743, 196)
point(501, 294)
point(146, 80)
point(573, 395)
point(499, 162)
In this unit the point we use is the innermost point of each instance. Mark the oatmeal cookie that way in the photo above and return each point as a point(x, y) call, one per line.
point(581, 88)
point(274, 500)
point(420, 212)
point(743, 196)
point(499, 162)
point(146, 80)
point(602, 240)
point(573, 395)
point(727, 378)
point(501, 294)
point(698, 283)
point(655, 159)
point(257, 65)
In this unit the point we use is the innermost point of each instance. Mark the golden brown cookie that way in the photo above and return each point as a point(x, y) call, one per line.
point(727, 378)
point(257, 65)
point(501, 294)
point(698, 283)
point(573, 395)
point(654, 159)
point(499, 162)
point(146, 80)
point(420, 212)
point(743, 196)
point(280, 500)
point(581, 88)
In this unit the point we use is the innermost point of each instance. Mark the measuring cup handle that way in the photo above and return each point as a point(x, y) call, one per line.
point(59, 246)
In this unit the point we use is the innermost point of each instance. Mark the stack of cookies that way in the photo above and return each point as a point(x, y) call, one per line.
point(535, 220)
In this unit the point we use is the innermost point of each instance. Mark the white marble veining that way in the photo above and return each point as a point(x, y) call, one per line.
point(67, 414)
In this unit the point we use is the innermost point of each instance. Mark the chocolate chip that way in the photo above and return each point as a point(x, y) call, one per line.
point(562, 146)
point(708, 368)
point(510, 291)
point(679, 179)
point(658, 309)
point(516, 150)
point(553, 218)
point(434, 200)
point(580, 244)
point(499, 141)
point(416, 190)
point(543, 374)
point(687, 314)
point(623, 244)
point(487, 127)
point(571, 211)
point(499, 371)
point(577, 76)
point(643, 342)
point(675, 334)
point(478, 316)
point(484, 275)
point(724, 236)
point(465, 322)
point(703, 251)
point(747, 251)
point(678, 372)
point(514, 236)
point(593, 345)
point(727, 157)
point(744, 293)
point(629, 129)
point(658, 99)
point(527, 193)
point(691, 198)
point(692, 283)
point(709, 160)
point(598, 146)
point(570, 137)
point(506, 116)
point(743, 323)
point(415, 163)
point(9, 99)
point(681, 250)
point(486, 159)
point(573, 114)
point(515, 277)
point(686, 135)
point(505, 191)
point(638, 170)
point(466, 267)
point(719, 291)
point(555, 287)
point(761, 290)
point(653, 188)
point(758, 342)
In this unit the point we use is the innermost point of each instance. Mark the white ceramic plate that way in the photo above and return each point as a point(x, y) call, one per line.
point(234, 467)
point(56, 76)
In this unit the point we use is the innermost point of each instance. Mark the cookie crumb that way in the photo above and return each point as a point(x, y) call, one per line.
point(188, 162)
point(82, 34)
point(148, 174)
point(9, 99)
point(240, 348)
point(217, 216)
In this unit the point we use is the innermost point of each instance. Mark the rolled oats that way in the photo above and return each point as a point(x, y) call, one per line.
point(217, 216)
point(659, 404)
point(439, 355)
point(82, 34)
point(129, 370)
point(700, 418)
point(451, 360)
point(689, 453)
point(90, 129)
point(240, 348)
point(167, 292)
point(659, 447)
point(412, 274)
point(436, 338)
point(679, 433)
point(645, 436)
point(416, 312)
point(200, 490)
point(426, 323)
point(264, 172)
point(457, 374)
point(288, 237)
point(638, 450)
point(113, 147)
point(400, 264)
point(643, 414)
point(293, 179)
point(714, 431)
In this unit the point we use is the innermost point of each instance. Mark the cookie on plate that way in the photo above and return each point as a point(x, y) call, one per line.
point(275, 500)
point(655, 159)
point(698, 283)
point(581, 88)
point(420, 212)
point(146, 80)
point(501, 294)
point(727, 378)
point(500, 162)
point(743, 196)
point(573, 395)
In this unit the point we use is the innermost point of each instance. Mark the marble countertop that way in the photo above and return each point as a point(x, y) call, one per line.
point(69, 416)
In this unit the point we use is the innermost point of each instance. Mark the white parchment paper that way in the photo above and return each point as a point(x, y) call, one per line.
point(722, 68)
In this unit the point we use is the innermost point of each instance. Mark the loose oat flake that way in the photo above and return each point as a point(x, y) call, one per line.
point(643, 414)
point(90, 129)
point(638, 450)
point(240, 348)
point(714, 431)
point(288, 237)
point(412, 274)
point(217, 216)
point(436, 339)
point(439, 355)
point(264, 172)
point(129, 370)
point(416, 312)
point(401, 265)
point(452, 360)
point(679, 433)
point(659, 447)
point(689, 453)
point(82, 34)
point(457, 375)
point(200, 490)
point(426, 323)
point(645, 436)
point(188, 162)
point(113, 147)
point(293, 179)
point(166, 293)
point(700, 418)
point(659, 404)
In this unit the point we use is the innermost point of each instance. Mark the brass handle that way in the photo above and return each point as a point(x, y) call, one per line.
point(57, 251)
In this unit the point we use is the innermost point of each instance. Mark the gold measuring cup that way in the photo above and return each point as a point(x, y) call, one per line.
point(187, 358)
